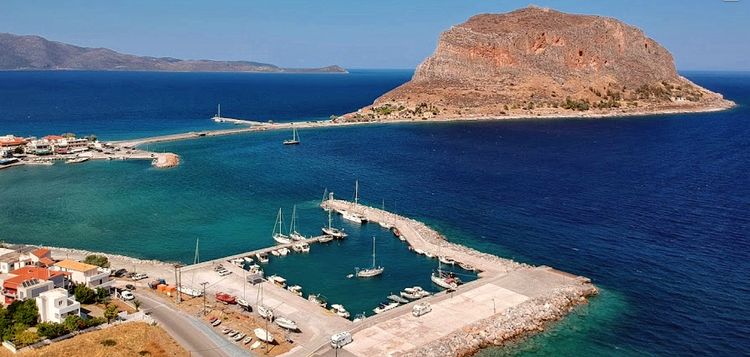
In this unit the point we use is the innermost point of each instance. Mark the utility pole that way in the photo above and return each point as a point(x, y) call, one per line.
point(204, 297)
point(177, 273)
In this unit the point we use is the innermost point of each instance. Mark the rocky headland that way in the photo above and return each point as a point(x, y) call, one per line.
point(541, 62)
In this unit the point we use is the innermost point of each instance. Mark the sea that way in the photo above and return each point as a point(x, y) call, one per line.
point(655, 210)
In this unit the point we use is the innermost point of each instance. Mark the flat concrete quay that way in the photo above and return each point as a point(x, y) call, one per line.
point(509, 300)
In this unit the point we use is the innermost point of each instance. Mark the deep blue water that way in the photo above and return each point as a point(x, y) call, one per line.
point(653, 209)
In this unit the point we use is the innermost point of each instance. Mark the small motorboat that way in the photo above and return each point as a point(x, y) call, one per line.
point(262, 258)
point(317, 299)
point(233, 333)
point(263, 335)
point(239, 337)
point(276, 253)
point(429, 255)
point(353, 217)
point(466, 267)
point(398, 299)
point(385, 225)
point(248, 260)
point(325, 239)
point(385, 307)
point(446, 260)
point(359, 317)
point(226, 298)
point(77, 160)
point(301, 247)
point(286, 323)
point(255, 345)
point(247, 340)
point(216, 322)
point(277, 280)
point(284, 251)
point(226, 330)
point(339, 310)
point(396, 232)
point(295, 289)
point(265, 312)
point(237, 261)
point(419, 251)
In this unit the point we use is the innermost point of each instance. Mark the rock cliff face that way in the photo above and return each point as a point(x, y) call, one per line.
point(538, 61)
point(37, 53)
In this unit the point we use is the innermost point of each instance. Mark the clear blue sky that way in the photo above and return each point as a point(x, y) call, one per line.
point(702, 34)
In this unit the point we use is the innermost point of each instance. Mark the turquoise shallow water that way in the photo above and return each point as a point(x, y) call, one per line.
point(654, 210)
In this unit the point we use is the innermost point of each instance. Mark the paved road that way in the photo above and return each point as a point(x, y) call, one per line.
point(193, 335)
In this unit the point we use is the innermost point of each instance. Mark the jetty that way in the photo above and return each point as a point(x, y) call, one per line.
point(507, 301)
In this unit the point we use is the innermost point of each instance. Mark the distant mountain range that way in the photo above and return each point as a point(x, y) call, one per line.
point(37, 53)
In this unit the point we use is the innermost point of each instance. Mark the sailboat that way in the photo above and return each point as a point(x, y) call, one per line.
point(351, 216)
point(295, 137)
point(293, 234)
point(332, 231)
point(374, 270)
point(445, 280)
point(278, 230)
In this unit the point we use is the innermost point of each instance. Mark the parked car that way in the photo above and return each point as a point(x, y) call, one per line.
point(127, 295)
point(139, 276)
point(119, 273)
point(130, 287)
point(421, 309)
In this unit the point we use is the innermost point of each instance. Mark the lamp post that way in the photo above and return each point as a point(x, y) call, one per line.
point(204, 296)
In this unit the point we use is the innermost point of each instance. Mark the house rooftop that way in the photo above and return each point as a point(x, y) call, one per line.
point(74, 265)
point(40, 252)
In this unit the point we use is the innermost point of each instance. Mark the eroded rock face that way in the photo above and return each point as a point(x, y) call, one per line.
point(541, 61)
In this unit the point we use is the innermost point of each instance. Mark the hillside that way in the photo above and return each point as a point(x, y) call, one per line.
point(37, 53)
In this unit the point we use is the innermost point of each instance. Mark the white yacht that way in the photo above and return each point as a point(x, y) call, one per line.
point(385, 307)
point(295, 289)
point(317, 299)
point(286, 323)
point(339, 310)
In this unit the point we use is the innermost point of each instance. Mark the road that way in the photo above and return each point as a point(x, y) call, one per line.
point(192, 334)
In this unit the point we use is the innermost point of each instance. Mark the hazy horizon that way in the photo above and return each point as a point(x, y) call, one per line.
point(702, 36)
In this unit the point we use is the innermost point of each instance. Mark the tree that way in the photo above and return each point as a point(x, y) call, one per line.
point(98, 260)
point(137, 304)
point(18, 150)
point(110, 313)
point(84, 295)
point(24, 312)
point(73, 323)
point(50, 329)
point(102, 295)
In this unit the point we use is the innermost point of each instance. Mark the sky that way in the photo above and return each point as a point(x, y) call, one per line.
point(701, 34)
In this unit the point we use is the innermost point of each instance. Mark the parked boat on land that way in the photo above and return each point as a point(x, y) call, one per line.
point(278, 230)
point(263, 335)
point(226, 298)
point(239, 337)
point(286, 323)
point(243, 303)
point(385, 307)
point(265, 312)
point(247, 340)
point(372, 271)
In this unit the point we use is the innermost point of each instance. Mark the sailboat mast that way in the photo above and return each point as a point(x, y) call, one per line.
point(329, 219)
point(218, 111)
point(373, 252)
point(356, 192)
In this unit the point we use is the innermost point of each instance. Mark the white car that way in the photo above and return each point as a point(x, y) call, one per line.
point(127, 295)
point(139, 276)
point(421, 309)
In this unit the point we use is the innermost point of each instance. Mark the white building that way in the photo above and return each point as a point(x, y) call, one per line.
point(86, 274)
point(55, 305)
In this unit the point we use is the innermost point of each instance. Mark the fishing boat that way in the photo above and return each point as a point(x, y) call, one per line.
point(226, 298)
point(76, 160)
point(301, 247)
point(398, 299)
point(293, 234)
point(295, 289)
point(278, 230)
point(317, 299)
point(295, 137)
point(331, 231)
point(372, 271)
point(339, 310)
point(265, 312)
point(262, 257)
point(445, 280)
point(263, 335)
point(385, 307)
point(286, 323)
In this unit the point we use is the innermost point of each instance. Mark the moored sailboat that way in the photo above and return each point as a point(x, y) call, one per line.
point(295, 137)
point(293, 234)
point(372, 271)
point(332, 231)
point(278, 230)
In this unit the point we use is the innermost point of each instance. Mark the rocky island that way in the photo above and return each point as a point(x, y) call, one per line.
point(540, 62)
point(37, 53)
